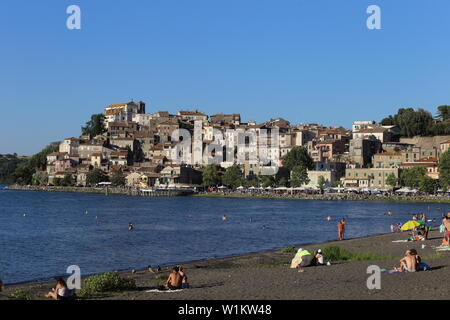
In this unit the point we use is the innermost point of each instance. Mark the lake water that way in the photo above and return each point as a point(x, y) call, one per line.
point(56, 232)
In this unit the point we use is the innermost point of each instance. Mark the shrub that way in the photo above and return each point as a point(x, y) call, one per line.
point(289, 249)
point(336, 253)
point(106, 282)
point(19, 294)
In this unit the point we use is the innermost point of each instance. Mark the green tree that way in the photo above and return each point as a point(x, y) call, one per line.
point(411, 122)
point(391, 180)
point(24, 172)
point(444, 170)
point(299, 176)
point(210, 176)
point(282, 182)
point(39, 178)
point(68, 181)
point(118, 179)
point(298, 156)
point(252, 181)
point(267, 181)
point(321, 182)
point(427, 184)
point(411, 177)
point(95, 126)
point(443, 112)
point(8, 164)
point(233, 177)
point(95, 177)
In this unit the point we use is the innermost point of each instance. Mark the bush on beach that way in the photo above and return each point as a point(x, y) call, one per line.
point(106, 282)
point(336, 253)
point(19, 294)
point(289, 249)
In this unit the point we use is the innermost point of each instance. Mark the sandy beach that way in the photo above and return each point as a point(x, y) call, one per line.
point(267, 275)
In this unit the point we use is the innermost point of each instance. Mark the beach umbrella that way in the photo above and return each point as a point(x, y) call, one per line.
point(240, 188)
point(411, 224)
point(421, 222)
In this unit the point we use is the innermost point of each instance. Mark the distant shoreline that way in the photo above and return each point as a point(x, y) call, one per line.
point(244, 195)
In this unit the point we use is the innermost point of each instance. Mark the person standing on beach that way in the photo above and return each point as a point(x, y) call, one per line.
point(341, 229)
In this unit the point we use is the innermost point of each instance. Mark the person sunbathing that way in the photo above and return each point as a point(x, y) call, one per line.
point(409, 262)
point(175, 280)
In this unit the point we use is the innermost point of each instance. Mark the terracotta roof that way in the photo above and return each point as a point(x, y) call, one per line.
point(117, 105)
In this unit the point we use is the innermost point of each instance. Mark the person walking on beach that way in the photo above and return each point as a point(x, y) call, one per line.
point(341, 229)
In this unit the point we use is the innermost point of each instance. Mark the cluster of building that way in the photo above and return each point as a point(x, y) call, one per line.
point(141, 145)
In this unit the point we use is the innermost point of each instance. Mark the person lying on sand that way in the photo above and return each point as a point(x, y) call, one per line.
point(302, 258)
point(61, 291)
point(175, 280)
point(408, 263)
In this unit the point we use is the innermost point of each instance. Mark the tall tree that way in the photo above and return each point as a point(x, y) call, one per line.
point(298, 156)
point(95, 177)
point(299, 176)
point(391, 180)
point(444, 170)
point(321, 182)
point(411, 122)
point(118, 179)
point(443, 112)
point(428, 184)
point(411, 177)
point(267, 181)
point(24, 172)
point(210, 176)
point(95, 126)
point(233, 177)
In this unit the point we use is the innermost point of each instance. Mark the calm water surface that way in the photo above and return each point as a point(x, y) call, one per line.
point(56, 232)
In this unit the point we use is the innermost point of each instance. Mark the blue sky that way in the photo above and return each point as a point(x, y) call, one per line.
point(306, 61)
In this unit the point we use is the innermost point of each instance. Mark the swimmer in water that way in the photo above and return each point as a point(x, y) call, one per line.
point(86, 212)
point(224, 218)
point(329, 218)
point(130, 226)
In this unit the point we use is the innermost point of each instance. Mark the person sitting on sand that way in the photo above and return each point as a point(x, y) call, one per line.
point(174, 281)
point(408, 263)
point(61, 291)
point(318, 258)
point(184, 278)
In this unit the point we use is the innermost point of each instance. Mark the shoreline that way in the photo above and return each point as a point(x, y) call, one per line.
point(46, 279)
point(234, 273)
point(241, 195)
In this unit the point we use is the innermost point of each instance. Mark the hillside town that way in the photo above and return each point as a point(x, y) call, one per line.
point(141, 147)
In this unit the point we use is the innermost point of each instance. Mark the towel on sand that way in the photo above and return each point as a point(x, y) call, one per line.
point(157, 290)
